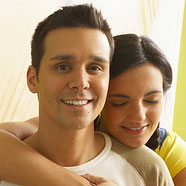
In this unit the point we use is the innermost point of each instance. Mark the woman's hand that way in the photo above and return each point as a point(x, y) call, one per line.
point(99, 181)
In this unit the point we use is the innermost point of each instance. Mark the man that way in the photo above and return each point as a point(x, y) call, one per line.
point(71, 54)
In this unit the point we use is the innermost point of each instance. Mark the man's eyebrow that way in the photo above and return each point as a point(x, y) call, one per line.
point(99, 59)
point(71, 57)
point(62, 57)
point(153, 92)
point(119, 96)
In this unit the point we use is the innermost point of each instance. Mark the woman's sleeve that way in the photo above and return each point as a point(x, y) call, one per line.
point(173, 152)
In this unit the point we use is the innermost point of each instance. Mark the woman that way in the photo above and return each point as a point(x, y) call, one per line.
point(140, 77)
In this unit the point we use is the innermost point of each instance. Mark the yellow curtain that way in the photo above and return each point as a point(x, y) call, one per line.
point(179, 122)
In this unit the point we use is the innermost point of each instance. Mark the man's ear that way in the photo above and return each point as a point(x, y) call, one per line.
point(32, 79)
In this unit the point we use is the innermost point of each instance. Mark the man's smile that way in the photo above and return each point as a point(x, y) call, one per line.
point(76, 102)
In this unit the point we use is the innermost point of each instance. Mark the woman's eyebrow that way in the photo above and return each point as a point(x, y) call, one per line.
point(119, 96)
point(153, 92)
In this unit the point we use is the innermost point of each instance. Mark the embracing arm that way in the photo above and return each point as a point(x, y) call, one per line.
point(21, 130)
point(22, 165)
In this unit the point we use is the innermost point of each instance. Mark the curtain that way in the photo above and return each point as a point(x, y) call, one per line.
point(164, 26)
point(180, 101)
point(159, 19)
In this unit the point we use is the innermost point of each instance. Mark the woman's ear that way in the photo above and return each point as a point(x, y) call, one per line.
point(32, 79)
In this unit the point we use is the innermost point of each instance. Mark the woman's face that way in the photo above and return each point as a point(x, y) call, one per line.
point(134, 104)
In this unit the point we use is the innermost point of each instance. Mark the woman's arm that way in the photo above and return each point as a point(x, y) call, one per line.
point(180, 178)
point(20, 164)
point(21, 130)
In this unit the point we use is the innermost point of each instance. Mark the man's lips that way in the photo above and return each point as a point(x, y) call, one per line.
point(77, 99)
point(77, 102)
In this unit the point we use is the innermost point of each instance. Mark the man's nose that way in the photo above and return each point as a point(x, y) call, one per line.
point(79, 80)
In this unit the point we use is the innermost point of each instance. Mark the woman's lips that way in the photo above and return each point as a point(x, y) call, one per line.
point(134, 130)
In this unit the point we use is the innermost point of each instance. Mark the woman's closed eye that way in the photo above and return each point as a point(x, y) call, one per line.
point(119, 104)
point(152, 101)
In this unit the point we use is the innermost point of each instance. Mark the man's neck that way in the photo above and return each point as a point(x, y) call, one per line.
point(67, 147)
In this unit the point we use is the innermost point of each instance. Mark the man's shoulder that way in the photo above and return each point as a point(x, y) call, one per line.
point(133, 155)
point(148, 164)
point(129, 152)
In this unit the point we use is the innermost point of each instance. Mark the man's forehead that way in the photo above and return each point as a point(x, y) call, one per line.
point(64, 31)
point(63, 41)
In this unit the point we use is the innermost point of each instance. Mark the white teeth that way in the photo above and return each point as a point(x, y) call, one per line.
point(135, 128)
point(76, 102)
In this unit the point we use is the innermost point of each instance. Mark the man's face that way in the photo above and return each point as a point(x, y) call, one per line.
point(73, 78)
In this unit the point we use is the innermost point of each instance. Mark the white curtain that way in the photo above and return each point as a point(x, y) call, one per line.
point(159, 19)
point(164, 26)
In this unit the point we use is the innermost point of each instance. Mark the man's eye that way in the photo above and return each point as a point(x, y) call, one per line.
point(62, 67)
point(95, 68)
point(119, 104)
point(152, 102)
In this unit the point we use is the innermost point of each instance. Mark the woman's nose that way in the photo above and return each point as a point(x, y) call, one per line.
point(137, 113)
